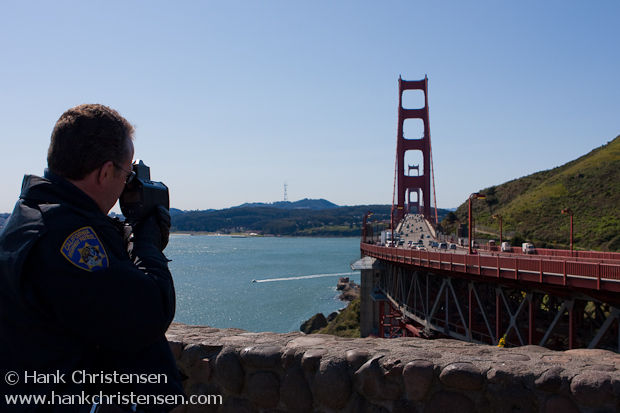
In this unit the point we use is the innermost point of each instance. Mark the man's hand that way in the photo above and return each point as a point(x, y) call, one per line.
point(155, 228)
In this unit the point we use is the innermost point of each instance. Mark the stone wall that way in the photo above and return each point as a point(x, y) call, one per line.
point(294, 372)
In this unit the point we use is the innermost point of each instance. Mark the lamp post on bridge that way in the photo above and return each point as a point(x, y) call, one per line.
point(364, 225)
point(497, 216)
point(475, 195)
point(569, 212)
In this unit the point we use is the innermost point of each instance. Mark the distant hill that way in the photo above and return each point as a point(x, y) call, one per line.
point(331, 221)
point(531, 205)
point(315, 204)
point(306, 217)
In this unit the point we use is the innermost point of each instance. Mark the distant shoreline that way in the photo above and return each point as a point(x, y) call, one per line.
point(254, 235)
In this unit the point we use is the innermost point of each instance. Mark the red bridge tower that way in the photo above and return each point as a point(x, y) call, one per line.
point(408, 184)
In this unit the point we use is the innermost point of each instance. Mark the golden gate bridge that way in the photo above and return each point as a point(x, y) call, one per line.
point(561, 299)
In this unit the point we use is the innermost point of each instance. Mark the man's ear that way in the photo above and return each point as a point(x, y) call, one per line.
point(106, 171)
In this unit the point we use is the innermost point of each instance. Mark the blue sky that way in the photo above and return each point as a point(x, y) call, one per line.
point(232, 99)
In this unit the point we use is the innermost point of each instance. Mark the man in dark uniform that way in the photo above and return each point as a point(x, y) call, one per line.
point(72, 298)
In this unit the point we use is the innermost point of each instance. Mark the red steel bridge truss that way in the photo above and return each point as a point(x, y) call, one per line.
point(560, 303)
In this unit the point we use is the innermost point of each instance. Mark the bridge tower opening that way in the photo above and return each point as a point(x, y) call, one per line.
point(407, 184)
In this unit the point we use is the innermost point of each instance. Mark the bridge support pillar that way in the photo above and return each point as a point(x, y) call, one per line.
point(531, 323)
point(571, 325)
point(470, 308)
point(498, 315)
point(371, 299)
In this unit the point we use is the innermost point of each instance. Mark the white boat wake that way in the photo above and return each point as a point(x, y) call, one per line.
point(303, 277)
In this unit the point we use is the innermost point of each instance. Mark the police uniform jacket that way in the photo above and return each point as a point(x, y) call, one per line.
point(72, 298)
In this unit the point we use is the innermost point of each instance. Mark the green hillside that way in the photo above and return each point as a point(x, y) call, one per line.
point(346, 323)
point(530, 206)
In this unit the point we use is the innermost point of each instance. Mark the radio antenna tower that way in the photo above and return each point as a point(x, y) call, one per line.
point(285, 194)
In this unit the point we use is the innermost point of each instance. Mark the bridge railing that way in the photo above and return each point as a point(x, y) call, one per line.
point(557, 271)
point(599, 255)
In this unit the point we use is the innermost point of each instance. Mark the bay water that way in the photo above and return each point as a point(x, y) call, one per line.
point(295, 278)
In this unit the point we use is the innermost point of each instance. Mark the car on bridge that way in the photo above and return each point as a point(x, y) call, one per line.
point(528, 248)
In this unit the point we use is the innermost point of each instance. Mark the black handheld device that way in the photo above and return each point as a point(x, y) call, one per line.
point(141, 196)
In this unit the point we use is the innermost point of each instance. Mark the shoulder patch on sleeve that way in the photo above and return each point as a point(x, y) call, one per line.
point(84, 250)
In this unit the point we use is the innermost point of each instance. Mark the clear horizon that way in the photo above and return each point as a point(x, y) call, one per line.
point(231, 100)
